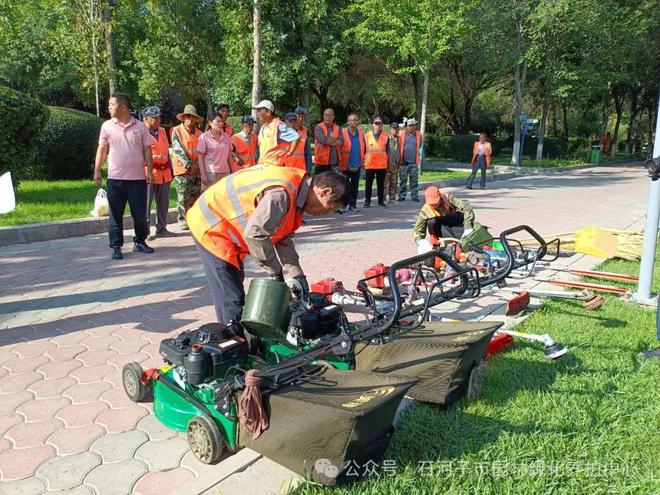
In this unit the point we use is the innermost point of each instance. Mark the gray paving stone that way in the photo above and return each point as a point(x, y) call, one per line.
point(118, 447)
point(29, 486)
point(152, 453)
point(63, 473)
point(116, 479)
point(155, 429)
point(79, 490)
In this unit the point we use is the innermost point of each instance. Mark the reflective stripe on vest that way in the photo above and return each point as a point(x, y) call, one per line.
point(219, 218)
point(376, 156)
point(232, 195)
point(270, 151)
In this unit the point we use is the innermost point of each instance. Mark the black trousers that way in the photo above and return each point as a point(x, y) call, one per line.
point(319, 169)
point(226, 284)
point(380, 185)
point(354, 178)
point(119, 193)
point(447, 226)
point(479, 164)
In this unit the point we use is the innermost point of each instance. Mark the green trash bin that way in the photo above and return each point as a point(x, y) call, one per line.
point(595, 153)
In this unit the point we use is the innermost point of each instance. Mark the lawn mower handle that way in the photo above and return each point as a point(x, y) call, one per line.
point(526, 228)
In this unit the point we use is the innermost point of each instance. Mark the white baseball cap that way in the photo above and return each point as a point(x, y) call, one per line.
point(265, 104)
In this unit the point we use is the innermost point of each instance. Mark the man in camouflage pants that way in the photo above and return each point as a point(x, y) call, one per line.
point(410, 143)
point(187, 178)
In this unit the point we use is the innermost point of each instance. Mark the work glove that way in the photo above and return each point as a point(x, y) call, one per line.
point(424, 246)
point(277, 277)
point(299, 288)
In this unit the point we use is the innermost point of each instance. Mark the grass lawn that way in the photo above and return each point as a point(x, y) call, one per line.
point(48, 201)
point(588, 423)
point(434, 175)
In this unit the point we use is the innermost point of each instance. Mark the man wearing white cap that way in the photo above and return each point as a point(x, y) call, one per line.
point(410, 144)
point(277, 141)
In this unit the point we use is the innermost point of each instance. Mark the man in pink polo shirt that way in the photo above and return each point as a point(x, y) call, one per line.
point(126, 143)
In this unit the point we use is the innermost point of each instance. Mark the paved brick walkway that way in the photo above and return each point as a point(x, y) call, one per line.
point(70, 319)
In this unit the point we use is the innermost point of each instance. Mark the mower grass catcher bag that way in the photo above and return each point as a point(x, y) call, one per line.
point(332, 420)
point(442, 355)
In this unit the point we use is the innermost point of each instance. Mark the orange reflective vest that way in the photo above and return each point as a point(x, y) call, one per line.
point(444, 208)
point(229, 130)
point(247, 151)
point(376, 157)
point(418, 144)
point(219, 217)
point(345, 149)
point(189, 143)
point(160, 151)
point(322, 151)
point(270, 151)
point(297, 160)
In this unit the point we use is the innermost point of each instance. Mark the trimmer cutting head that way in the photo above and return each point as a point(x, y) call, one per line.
point(554, 351)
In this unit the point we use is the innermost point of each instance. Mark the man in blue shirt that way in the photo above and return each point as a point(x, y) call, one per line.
point(352, 155)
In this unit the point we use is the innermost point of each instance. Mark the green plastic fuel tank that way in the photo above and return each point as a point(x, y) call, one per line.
point(267, 310)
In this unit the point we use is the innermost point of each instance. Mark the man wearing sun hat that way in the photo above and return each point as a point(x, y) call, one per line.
point(187, 178)
point(277, 141)
point(443, 215)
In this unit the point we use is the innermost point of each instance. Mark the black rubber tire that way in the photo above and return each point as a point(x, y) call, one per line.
point(205, 439)
point(130, 377)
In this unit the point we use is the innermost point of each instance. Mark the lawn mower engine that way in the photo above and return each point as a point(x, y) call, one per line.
point(205, 354)
point(314, 321)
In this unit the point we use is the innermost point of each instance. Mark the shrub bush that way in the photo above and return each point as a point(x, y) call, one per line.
point(22, 119)
point(68, 145)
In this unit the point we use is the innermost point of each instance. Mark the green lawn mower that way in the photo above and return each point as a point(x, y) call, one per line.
point(325, 390)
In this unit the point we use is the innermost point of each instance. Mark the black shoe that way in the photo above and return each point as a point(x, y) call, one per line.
point(416, 200)
point(366, 205)
point(141, 247)
point(116, 253)
point(165, 233)
point(340, 211)
point(468, 187)
point(482, 188)
point(382, 205)
point(402, 199)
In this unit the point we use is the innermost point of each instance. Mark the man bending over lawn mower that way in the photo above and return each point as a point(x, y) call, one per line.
point(256, 211)
point(442, 215)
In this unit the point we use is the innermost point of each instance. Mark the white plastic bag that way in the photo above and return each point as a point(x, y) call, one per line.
point(424, 246)
point(7, 199)
point(100, 204)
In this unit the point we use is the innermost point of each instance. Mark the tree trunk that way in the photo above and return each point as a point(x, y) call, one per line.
point(565, 118)
point(520, 74)
point(542, 126)
point(256, 55)
point(468, 101)
point(554, 120)
point(619, 97)
point(418, 84)
point(425, 97)
point(322, 94)
point(95, 59)
point(110, 48)
point(634, 96)
point(606, 114)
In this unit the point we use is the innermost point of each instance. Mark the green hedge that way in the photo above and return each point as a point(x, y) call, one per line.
point(68, 145)
point(22, 119)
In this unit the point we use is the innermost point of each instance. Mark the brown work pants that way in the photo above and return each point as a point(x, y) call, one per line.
point(391, 179)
